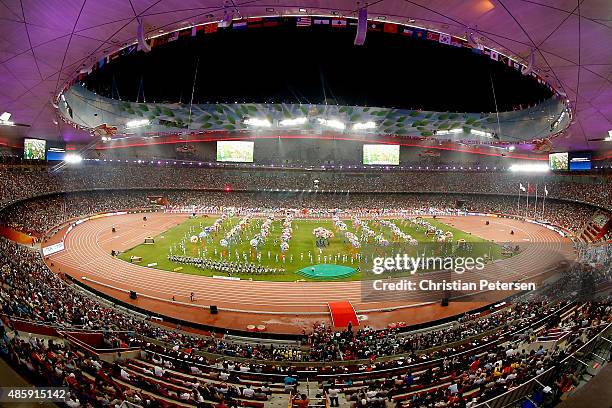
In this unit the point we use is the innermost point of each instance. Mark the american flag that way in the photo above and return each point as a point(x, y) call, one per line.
point(303, 22)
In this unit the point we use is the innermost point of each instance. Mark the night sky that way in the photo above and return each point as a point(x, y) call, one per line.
point(287, 64)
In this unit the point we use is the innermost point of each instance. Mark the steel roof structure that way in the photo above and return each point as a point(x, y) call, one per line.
point(45, 44)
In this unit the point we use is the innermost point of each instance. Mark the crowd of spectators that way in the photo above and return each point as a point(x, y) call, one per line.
point(17, 182)
point(39, 215)
point(469, 380)
point(30, 291)
point(456, 377)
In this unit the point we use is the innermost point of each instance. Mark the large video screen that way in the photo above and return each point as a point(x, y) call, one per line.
point(238, 152)
point(34, 149)
point(580, 161)
point(558, 161)
point(56, 154)
point(381, 154)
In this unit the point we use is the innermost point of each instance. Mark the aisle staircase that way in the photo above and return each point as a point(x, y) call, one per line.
point(596, 229)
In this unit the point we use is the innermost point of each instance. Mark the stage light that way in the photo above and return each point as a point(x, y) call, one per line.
point(511, 148)
point(257, 122)
point(136, 123)
point(292, 122)
point(227, 19)
point(4, 119)
point(481, 133)
point(529, 168)
point(449, 132)
point(73, 158)
point(364, 125)
point(332, 123)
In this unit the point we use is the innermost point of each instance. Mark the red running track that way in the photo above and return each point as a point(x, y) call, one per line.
point(87, 258)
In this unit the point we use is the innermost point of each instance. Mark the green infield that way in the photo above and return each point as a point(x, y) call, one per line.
point(338, 255)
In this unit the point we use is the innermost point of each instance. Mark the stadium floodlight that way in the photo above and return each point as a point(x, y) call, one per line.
point(136, 123)
point(292, 122)
point(530, 168)
point(449, 132)
point(364, 125)
point(332, 123)
point(5, 119)
point(73, 158)
point(481, 133)
point(257, 122)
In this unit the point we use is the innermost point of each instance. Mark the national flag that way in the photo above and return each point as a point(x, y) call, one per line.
point(545, 190)
point(254, 22)
point(210, 28)
point(494, 55)
point(407, 31)
point(477, 49)
point(303, 22)
point(271, 22)
point(161, 40)
point(101, 62)
point(372, 26)
point(338, 22)
point(239, 25)
point(173, 36)
point(456, 42)
point(445, 39)
point(522, 187)
point(390, 28)
point(195, 30)
point(187, 32)
point(418, 33)
point(503, 59)
point(432, 36)
point(323, 21)
point(510, 62)
point(530, 188)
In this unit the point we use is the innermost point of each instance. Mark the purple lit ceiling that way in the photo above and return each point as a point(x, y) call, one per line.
point(44, 44)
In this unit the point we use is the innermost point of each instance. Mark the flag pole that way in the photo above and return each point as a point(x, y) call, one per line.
point(527, 210)
point(535, 206)
point(544, 201)
point(518, 202)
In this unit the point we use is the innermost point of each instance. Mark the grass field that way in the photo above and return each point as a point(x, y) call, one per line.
point(302, 247)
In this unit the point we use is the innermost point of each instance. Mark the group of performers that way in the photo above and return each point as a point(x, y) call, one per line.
point(229, 268)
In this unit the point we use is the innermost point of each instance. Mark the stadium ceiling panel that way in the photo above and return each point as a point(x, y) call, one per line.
point(44, 45)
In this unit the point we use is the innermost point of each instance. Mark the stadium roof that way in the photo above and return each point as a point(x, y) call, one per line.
point(44, 45)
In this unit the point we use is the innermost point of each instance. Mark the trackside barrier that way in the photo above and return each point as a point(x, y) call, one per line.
point(526, 389)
